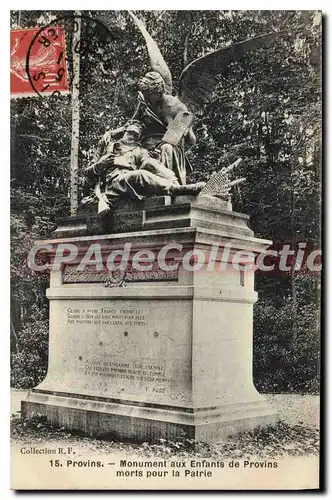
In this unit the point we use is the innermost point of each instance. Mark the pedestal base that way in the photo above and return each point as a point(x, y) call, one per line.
point(139, 422)
point(155, 352)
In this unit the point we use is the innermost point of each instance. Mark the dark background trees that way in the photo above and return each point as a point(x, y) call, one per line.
point(266, 109)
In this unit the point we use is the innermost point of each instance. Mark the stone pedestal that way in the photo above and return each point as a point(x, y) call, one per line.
point(159, 353)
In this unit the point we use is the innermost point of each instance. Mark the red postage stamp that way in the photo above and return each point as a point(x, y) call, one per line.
point(38, 62)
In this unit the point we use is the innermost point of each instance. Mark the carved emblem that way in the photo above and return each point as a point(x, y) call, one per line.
point(116, 278)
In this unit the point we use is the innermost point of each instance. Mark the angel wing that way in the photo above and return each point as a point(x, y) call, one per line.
point(158, 63)
point(198, 79)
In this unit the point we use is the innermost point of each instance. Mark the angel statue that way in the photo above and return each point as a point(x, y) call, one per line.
point(168, 119)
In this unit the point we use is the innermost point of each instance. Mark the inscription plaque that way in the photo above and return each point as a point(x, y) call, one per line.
point(127, 220)
point(123, 351)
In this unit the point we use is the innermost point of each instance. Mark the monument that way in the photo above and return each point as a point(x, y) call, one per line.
point(151, 319)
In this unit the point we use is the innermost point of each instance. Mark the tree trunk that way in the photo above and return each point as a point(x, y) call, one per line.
point(75, 119)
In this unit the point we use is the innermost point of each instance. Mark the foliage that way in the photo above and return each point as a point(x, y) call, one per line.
point(283, 363)
point(29, 358)
point(265, 109)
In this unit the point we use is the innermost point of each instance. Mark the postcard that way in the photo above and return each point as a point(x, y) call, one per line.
point(165, 249)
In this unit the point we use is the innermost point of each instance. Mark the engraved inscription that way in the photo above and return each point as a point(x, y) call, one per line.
point(128, 220)
point(106, 316)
